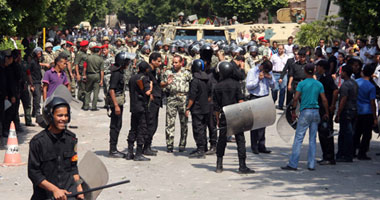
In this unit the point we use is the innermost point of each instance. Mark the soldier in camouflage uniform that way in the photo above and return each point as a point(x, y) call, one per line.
point(68, 51)
point(134, 46)
point(144, 53)
point(118, 47)
point(108, 62)
point(48, 57)
point(264, 50)
point(79, 62)
point(166, 56)
point(253, 59)
point(186, 58)
point(176, 81)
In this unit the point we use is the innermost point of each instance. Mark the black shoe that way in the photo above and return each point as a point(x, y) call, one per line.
point(287, 167)
point(212, 151)
point(169, 150)
point(265, 151)
point(219, 165)
point(30, 124)
point(326, 162)
point(198, 154)
point(311, 169)
point(245, 170)
point(141, 158)
point(343, 160)
point(279, 108)
point(182, 149)
point(129, 156)
point(365, 157)
point(85, 109)
point(153, 150)
point(255, 151)
point(116, 154)
point(149, 152)
point(94, 109)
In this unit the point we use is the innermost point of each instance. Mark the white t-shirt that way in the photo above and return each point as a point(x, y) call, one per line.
point(279, 62)
point(377, 73)
point(289, 50)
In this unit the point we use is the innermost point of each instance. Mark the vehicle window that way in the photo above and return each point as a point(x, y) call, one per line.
point(214, 35)
point(184, 34)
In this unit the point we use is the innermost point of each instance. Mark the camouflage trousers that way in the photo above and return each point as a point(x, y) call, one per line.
point(176, 104)
point(106, 84)
point(129, 72)
point(72, 85)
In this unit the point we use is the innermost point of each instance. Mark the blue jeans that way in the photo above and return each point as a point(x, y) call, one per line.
point(309, 118)
point(345, 138)
point(279, 87)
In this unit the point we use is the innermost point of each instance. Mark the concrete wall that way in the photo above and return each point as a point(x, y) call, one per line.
point(316, 9)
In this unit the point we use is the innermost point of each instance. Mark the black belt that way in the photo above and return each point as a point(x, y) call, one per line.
point(277, 72)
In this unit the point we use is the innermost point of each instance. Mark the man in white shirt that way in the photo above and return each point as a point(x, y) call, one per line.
point(279, 60)
point(289, 47)
point(322, 46)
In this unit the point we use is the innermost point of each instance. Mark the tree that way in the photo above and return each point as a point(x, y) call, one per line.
point(310, 34)
point(361, 17)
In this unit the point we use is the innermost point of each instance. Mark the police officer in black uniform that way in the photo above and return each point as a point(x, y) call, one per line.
point(297, 72)
point(52, 163)
point(139, 92)
point(155, 101)
point(116, 99)
point(227, 92)
point(199, 106)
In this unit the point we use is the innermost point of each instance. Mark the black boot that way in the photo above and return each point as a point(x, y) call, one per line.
point(212, 150)
point(148, 151)
point(139, 154)
point(198, 154)
point(114, 153)
point(219, 165)
point(129, 155)
point(243, 169)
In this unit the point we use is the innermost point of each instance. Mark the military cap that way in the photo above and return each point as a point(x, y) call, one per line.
point(63, 42)
point(106, 38)
point(79, 39)
point(84, 43)
point(105, 46)
point(181, 14)
point(264, 40)
point(48, 44)
point(70, 43)
point(261, 38)
point(96, 47)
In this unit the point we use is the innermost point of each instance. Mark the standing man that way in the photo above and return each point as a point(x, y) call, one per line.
point(309, 90)
point(52, 163)
point(116, 97)
point(80, 63)
point(176, 81)
point(227, 92)
point(325, 127)
point(155, 101)
point(140, 89)
point(259, 80)
point(366, 113)
point(289, 47)
point(55, 76)
point(296, 73)
point(198, 104)
point(35, 70)
point(68, 51)
point(108, 62)
point(94, 75)
point(346, 115)
point(279, 60)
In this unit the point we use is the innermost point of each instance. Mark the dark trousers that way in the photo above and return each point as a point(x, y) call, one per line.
point(36, 99)
point(152, 122)
point(138, 129)
point(1, 112)
point(26, 105)
point(199, 123)
point(9, 116)
point(363, 134)
point(345, 139)
point(327, 143)
point(258, 139)
point(222, 141)
point(115, 127)
point(211, 124)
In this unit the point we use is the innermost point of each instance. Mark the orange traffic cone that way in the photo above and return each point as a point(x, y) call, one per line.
point(12, 156)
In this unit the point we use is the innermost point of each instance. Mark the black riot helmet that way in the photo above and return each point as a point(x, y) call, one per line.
point(143, 66)
point(122, 59)
point(225, 69)
point(197, 66)
point(206, 53)
point(49, 108)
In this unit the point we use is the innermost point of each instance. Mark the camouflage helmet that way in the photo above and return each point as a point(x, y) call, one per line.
point(48, 44)
point(106, 38)
point(93, 39)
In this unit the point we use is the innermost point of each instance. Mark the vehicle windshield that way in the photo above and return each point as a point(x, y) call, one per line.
point(184, 34)
point(214, 35)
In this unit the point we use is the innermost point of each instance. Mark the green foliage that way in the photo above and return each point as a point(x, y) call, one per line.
point(361, 17)
point(310, 34)
point(8, 44)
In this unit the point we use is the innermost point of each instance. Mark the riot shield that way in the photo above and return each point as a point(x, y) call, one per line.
point(286, 126)
point(250, 115)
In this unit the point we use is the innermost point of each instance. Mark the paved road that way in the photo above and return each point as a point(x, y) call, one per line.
point(175, 176)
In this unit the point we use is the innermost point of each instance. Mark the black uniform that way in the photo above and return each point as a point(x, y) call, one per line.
point(298, 73)
point(154, 106)
point(200, 92)
point(138, 107)
point(117, 84)
point(24, 94)
point(52, 157)
point(10, 113)
point(211, 122)
point(327, 143)
point(3, 94)
point(228, 92)
point(285, 71)
point(35, 70)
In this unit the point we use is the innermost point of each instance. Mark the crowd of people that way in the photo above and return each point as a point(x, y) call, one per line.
point(200, 77)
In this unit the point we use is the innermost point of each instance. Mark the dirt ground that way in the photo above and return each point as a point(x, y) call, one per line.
point(175, 176)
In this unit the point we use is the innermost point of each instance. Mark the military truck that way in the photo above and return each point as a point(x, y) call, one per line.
point(274, 32)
